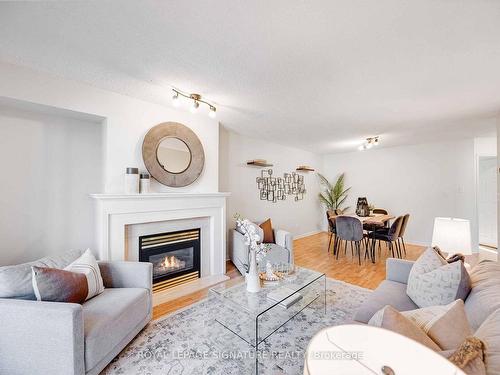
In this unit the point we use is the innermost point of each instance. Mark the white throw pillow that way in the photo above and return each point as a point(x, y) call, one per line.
point(434, 281)
point(87, 264)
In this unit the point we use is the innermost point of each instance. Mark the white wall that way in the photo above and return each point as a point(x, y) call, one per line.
point(425, 180)
point(50, 163)
point(127, 121)
point(300, 218)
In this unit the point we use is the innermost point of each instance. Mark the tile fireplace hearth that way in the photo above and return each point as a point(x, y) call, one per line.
point(175, 257)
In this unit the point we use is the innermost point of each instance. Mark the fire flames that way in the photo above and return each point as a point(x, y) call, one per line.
point(171, 262)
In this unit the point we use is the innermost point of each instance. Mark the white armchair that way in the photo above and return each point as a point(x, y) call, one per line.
point(280, 252)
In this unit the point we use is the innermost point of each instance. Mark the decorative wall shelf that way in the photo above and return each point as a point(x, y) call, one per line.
point(304, 168)
point(259, 163)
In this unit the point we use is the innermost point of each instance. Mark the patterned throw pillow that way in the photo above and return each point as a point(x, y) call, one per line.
point(432, 281)
point(87, 265)
point(54, 285)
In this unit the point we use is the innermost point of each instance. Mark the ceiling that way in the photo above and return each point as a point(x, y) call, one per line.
point(320, 75)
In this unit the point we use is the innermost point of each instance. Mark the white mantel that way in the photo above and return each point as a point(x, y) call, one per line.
point(115, 212)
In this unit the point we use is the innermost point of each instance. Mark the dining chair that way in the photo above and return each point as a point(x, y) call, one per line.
point(402, 231)
point(349, 229)
point(379, 211)
point(390, 236)
point(330, 217)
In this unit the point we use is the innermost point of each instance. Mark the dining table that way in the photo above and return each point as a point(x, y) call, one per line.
point(371, 223)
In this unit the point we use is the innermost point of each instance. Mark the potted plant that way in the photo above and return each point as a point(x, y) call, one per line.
point(334, 196)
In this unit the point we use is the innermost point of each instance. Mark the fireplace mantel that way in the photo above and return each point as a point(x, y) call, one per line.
point(115, 212)
point(112, 196)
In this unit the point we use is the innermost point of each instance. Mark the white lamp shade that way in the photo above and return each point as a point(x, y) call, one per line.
point(452, 235)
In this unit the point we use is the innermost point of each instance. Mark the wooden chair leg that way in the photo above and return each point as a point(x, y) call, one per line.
point(330, 241)
point(358, 246)
point(398, 249)
point(404, 246)
point(391, 249)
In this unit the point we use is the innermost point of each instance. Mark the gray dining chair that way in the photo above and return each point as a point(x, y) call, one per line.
point(349, 230)
point(330, 217)
point(402, 231)
point(389, 236)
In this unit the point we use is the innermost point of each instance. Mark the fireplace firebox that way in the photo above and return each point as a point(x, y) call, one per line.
point(175, 257)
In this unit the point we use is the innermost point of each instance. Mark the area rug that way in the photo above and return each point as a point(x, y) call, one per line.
point(192, 342)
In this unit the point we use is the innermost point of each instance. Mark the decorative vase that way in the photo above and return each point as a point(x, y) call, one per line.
point(362, 208)
point(252, 276)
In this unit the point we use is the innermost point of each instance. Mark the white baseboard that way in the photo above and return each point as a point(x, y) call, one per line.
point(307, 234)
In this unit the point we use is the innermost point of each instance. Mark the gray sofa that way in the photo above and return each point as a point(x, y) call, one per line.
point(280, 252)
point(66, 338)
point(482, 301)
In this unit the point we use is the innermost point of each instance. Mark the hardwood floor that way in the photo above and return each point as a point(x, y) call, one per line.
point(311, 252)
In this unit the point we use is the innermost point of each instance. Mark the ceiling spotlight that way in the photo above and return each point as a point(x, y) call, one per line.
point(175, 99)
point(196, 100)
point(369, 143)
point(194, 106)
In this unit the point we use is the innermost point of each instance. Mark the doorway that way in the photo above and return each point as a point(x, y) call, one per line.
point(487, 201)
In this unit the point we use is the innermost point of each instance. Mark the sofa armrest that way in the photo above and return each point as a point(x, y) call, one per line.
point(398, 269)
point(41, 338)
point(121, 274)
point(284, 239)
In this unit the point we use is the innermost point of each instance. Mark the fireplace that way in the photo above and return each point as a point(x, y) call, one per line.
point(175, 257)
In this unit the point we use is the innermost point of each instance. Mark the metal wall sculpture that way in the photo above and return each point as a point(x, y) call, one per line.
point(275, 189)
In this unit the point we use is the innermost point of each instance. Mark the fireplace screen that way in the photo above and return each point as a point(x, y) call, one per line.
point(175, 257)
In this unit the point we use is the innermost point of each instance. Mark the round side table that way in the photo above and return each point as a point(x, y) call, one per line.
point(365, 350)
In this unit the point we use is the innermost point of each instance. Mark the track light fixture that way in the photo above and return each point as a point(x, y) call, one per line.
point(369, 143)
point(196, 100)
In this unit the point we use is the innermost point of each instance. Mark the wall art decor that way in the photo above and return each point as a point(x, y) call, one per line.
point(275, 189)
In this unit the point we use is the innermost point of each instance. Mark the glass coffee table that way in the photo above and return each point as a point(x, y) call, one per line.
point(253, 317)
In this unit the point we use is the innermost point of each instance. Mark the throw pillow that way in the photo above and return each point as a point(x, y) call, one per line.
point(433, 281)
point(267, 227)
point(87, 265)
point(489, 333)
point(15, 281)
point(469, 356)
point(54, 285)
point(484, 298)
point(258, 230)
point(446, 325)
point(395, 321)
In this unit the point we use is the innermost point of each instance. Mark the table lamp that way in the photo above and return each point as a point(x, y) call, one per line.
point(452, 235)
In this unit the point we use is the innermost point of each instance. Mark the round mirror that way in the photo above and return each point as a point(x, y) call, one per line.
point(173, 155)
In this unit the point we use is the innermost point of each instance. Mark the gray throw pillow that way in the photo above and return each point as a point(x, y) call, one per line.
point(15, 281)
point(54, 285)
point(434, 281)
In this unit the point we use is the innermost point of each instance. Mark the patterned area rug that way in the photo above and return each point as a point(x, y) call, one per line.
point(192, 342)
